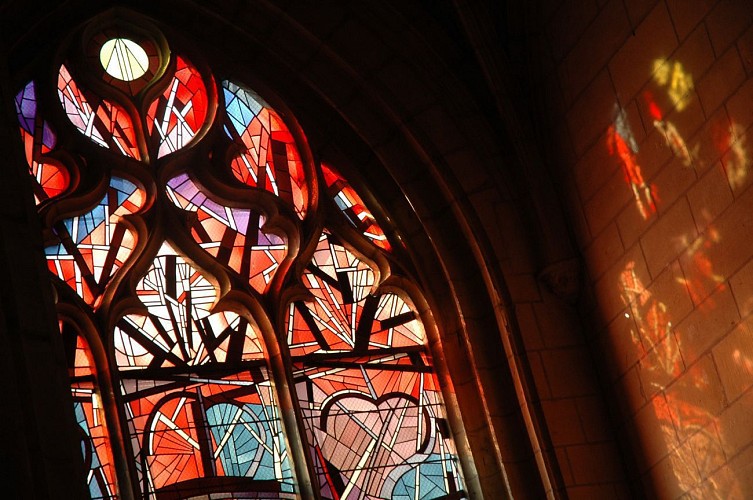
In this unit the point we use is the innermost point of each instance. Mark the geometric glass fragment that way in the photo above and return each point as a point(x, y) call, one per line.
point(353, 207)
point(123, 59)
point(104, 122)
point(94, 443)
point(234, 236)
point(267, 155)
point(343, 315)
point(178, 328)
point(93, 246)
point(196, 434)
point(87, 405)
point(175, 117)
point(50, 178)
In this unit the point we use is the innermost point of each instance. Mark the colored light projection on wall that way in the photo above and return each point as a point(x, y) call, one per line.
point(672, 137)
point(701, 279)
point(678, 82)
point(51, 179)
point(174, 119)
point(371, 405)
point(353, 207)
point(89, 415)
point(268, 157)
point(232, 235)
point(692, 434)
point(199, 406)
point(678, 368)
point(731, 142)
point(104, 122)
point(94, 245)
point(621, 142)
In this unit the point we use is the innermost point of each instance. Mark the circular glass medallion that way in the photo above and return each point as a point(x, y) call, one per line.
point(123, 59)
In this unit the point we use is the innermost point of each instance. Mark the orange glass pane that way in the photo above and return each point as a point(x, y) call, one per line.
point(353, 207)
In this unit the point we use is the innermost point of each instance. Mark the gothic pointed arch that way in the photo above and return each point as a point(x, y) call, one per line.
point(257, 324)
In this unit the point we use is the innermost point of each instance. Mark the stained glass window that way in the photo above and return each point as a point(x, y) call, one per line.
point(370, 403)
point(252, 349)
point(267, 155)
point(353, 207)
point(51, 179)
point(89, 413)
point(179, 113)
point(103, 121)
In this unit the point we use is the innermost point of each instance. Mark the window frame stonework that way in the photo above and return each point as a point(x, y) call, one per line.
point(388, 270)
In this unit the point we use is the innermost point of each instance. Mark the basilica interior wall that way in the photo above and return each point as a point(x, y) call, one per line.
point(572, 182)
point(648, 138)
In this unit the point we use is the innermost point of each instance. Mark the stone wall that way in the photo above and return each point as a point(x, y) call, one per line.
point(650, 120)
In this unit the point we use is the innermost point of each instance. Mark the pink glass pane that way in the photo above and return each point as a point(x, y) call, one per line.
point(104, 122)
point(377, 433)
point(269, 158)
point(353, 207)
point(232, 235)
point(94, 245)
point(51, 179)
point(174, 119)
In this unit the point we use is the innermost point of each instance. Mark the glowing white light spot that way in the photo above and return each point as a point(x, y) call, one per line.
point(627, 315)
point(123, 59)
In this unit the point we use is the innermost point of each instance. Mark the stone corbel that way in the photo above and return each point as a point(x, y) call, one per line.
point(563, 279)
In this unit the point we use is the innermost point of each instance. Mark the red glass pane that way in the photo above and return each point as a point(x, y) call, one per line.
point(174, 119)
point(269, 158)
point(353, 207)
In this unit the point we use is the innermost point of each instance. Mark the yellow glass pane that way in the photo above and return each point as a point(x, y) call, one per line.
point(123, 59)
